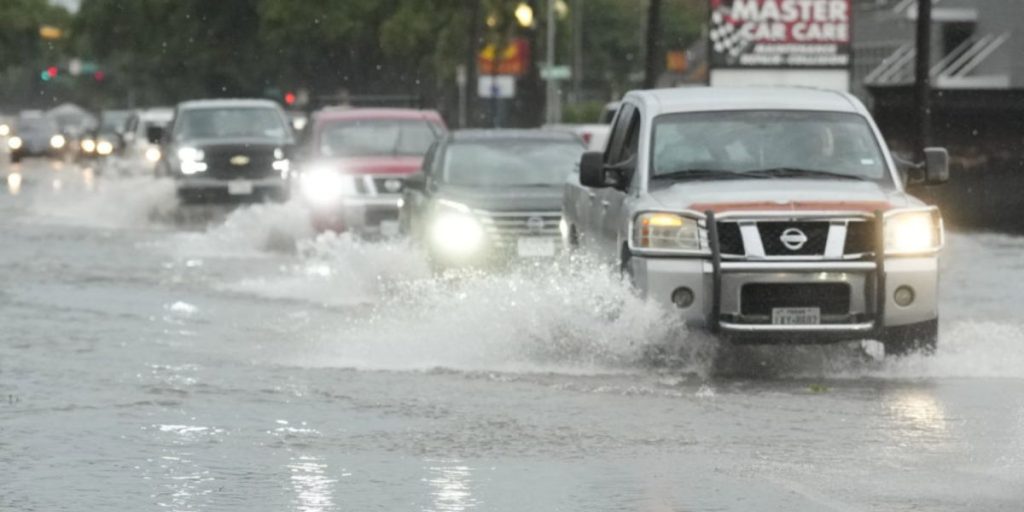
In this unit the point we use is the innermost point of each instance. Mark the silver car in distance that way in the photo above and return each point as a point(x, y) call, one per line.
point(767, 215)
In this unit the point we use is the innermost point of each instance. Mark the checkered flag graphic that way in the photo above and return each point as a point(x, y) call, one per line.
point(726, 37)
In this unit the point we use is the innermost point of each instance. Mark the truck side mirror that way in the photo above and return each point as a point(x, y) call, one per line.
point(936, 166)
point(592, 173)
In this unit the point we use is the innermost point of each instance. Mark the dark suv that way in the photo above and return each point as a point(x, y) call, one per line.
point(229, 151)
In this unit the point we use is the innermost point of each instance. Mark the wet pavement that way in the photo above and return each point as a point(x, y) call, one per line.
point(155, 359)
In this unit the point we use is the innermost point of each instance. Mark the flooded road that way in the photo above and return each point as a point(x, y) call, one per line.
point(153, 361)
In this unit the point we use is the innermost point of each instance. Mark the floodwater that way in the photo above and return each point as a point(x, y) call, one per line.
point(154, 359)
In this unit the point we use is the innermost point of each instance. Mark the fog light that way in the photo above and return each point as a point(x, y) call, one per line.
point(904, 296)
point(682, 297)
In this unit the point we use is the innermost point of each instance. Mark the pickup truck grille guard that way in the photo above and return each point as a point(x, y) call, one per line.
point(872, 262)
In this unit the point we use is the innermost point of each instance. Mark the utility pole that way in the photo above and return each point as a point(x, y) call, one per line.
point(472, 8)
point(577, 51)
point(551, 97)
point(922, 76)
point(653, 35)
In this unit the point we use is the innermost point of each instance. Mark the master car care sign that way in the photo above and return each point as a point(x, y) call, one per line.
point(780, 33)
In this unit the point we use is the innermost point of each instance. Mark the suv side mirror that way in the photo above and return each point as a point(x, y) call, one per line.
point(936, 166)
point(592, 173)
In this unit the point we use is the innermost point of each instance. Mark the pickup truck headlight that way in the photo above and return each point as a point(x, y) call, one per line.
point(913, 231)
point(666, 231)
point(454, 229)
point(324, 186)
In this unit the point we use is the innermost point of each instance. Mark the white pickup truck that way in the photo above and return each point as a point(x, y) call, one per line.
point(767, 215)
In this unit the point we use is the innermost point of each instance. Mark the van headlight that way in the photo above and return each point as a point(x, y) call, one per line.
point(454, 230)
point(666, 232)
point(913, 231)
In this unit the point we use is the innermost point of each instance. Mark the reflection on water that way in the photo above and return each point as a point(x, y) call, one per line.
point(313, 489)
point(450, 488)
point(14, 183)
point(920, 417)
point(57, 184)
point(89, 178)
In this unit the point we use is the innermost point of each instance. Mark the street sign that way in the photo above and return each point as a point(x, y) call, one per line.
point(514, 59)
point(496, 86)
point(556, 73)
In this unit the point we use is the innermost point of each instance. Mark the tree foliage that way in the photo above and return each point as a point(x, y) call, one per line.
point(160, 51)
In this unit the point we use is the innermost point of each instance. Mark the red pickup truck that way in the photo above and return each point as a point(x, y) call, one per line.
point(355, 162)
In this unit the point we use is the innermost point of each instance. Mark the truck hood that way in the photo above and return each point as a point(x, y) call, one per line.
point(505, 199)
point(396, 165)
point(780, 194)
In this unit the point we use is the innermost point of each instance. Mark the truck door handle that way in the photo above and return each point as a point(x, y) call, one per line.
point(591, 194)
point(605, 203)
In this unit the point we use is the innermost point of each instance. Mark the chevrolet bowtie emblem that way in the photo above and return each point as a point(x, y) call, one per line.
point(239, 160)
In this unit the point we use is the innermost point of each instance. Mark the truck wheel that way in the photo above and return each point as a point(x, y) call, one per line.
point(907, 339)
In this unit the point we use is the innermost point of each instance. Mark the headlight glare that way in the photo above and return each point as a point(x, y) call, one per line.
point(88, 145)
point(666, 231)
point(14, 142)
point(914, 231)
point(324, 186)
point(153, 155)
point(190, 154)
point(58, 141)
point(104, 147)
point(456, 234)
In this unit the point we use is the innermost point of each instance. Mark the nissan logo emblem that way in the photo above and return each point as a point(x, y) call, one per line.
point(535, 225)
point(793, 239)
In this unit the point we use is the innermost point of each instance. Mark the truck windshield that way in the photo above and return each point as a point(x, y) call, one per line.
point(377, 137)
point(766, 144)
point(510, 163)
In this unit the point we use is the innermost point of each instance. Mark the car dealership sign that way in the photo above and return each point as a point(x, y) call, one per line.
point(780, 33)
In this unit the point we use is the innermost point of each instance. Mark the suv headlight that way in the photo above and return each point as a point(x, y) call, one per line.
point(454, 230)
point(913, 231)
point(666, 231)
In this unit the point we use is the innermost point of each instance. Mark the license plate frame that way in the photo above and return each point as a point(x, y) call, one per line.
point(536, 247)
point(240, 188)
point(796, 316)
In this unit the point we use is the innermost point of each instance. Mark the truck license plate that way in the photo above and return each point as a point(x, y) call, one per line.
point(239, 188)
point(796, 316)
point(536, 247)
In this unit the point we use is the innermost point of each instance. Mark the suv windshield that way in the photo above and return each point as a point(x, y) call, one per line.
point(776, 143)
point(510, 162)
point(377, 137)
point(231, 123)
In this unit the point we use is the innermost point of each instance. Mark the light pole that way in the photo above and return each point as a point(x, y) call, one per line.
point(551, 97)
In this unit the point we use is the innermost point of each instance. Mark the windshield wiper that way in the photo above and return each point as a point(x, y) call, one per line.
point(706, 174)
point(794, 172)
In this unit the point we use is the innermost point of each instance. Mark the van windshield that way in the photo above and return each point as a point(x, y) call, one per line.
point(766, 144)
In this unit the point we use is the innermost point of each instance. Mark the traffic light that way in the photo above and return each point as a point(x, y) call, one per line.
point(289, 98)
point(49, 73)
point(99, 76)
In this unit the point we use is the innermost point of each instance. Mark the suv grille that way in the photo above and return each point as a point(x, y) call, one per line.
point(772, 234)
point(860, 238)
point(260, 164)
point(504, 228)
point(730, 241)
